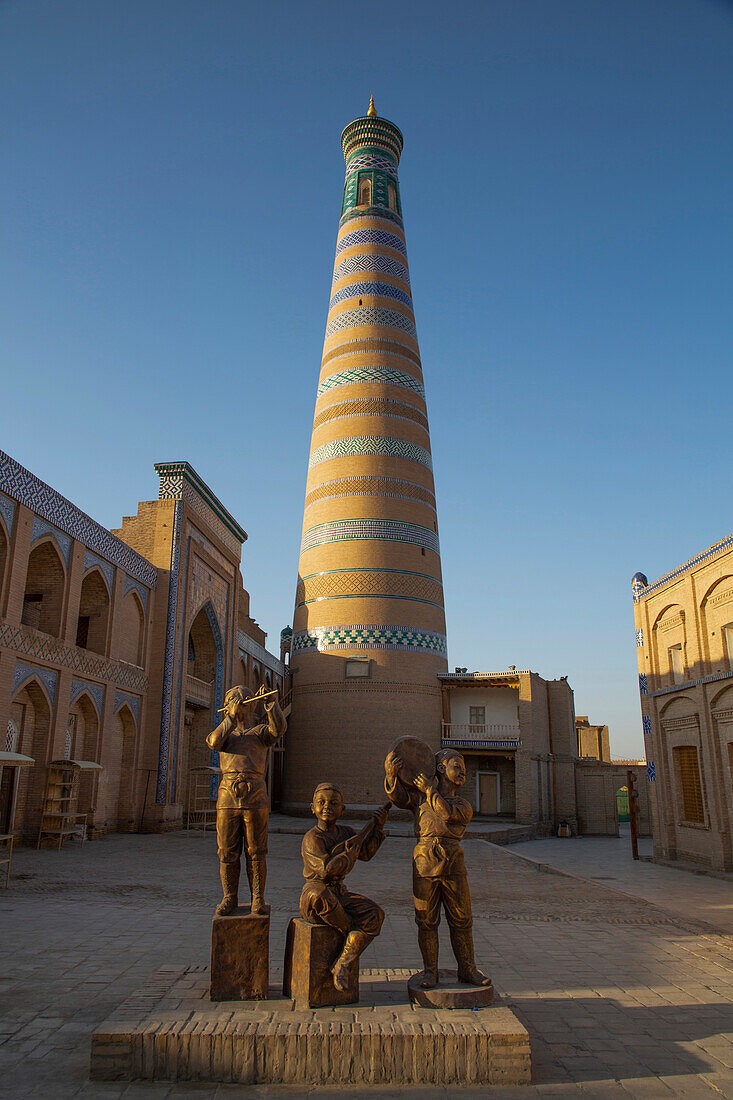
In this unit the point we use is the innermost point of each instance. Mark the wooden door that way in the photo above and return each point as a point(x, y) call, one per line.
point(488, 793)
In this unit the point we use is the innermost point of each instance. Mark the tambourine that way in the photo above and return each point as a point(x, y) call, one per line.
point(417, 759)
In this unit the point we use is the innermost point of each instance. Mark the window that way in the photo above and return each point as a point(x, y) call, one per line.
point(82, 631)
point(676, 664)
point(365, 191)
point(687, 769)
point(477, 716)
point(391, 197)
point(357, 666)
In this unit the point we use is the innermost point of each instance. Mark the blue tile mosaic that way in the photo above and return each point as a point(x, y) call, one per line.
point(47, 677)
point(31, 644)
point(651, 771)
point(639, 638)
point(41, 528)
point(7, 511)
point(365, 376)
point(371, 236)
point(642, 683)
point(376, 289)
point(364, 161)
point(371, 315)
point(370, 637)
point(371, 261)
point(646, 723)
point(385, 530)
point(108, 571)
point(123, 698)
point(373, 212)
point(95, 691)
point(40, 498)
point(380, 486)
point(371, 445)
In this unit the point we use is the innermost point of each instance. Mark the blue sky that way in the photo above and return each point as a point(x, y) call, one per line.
point(171, 180)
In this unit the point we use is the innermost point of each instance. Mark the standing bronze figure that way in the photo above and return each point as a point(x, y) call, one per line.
point(329, 852)
point(428, 786)
point(242, 808)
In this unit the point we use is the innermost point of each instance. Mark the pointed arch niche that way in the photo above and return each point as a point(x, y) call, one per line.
point(125, 741)
point(93, 619)
point(43, 599)
point(132, 630)
point(30, 712)
point(83, 723)
point(204, 692)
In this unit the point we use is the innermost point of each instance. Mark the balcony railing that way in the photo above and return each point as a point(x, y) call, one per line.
point(499, 734)
point(198, 690)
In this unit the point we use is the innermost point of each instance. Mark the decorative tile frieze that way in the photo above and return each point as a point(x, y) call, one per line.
point(646, 725)
point(7, 511)
point(380, 376)
point(651, 771)
point(642, 683)
point(364, 161)
point(365, 316)
point(47, 676)
point(385, 530)
point(394, 584)
point(371, 445)
point(46, 503)
point(407, 638)
point(371, 406)
point(44, 648)
point(371, 212)
point(94, 691)
point(640, 590)
point(371, 236)
point(42, 527)
point(373, 288)
point(132, 585)
point(370, 486)
point(371, 261)
point(108, 571)
point(123, 698)
point(639, 638)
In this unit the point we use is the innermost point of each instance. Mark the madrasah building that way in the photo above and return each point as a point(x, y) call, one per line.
point(116, 647)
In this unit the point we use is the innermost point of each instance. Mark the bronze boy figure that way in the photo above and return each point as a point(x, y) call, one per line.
point(438, 867)
point(242, 808)
point(329, 853)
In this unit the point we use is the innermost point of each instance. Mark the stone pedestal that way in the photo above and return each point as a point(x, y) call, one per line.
point(449, 993)
point(240, 957)
point(310, 950)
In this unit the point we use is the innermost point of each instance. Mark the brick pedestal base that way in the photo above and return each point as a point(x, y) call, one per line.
point(310, 951)
point(170, 1031)
point(240, 957)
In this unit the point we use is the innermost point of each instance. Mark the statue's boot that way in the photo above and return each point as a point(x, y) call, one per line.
point(355, 944)
point(259, 878)
point(230, 884)
point(428, 943)
point(462, 943)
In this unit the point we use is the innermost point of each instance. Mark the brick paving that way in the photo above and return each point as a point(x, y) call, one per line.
point(620, 997)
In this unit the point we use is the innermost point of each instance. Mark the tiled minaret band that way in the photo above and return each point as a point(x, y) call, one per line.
point(369, 630)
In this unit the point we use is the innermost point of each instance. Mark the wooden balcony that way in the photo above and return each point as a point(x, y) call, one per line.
point(198, 691)
point(492, 735)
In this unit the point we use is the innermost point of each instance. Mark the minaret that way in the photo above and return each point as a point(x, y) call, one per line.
point(369, 629)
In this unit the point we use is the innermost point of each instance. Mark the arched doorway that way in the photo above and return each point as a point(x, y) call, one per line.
point(622, 804)
point(91, 627)
point(83, 726)
point(30, 714)
point(43, 599)
point(126, 738)
point(203, 697)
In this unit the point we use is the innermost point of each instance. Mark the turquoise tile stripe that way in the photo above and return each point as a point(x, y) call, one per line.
point(381, 290)
point(369, 376)
point(384, 530)
point(371, 236)
point(371, 445)
point(372, 261)
point(370, 315)
point(370, 637)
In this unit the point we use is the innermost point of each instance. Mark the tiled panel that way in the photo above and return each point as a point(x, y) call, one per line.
point(370, 637)
point(95, 691)
point(371, 445)
point(142, 591)
point(371, 261)
point(41, 527)
point(47, 676)
point(371, 236)
point(108, 571)
point(33, 644)
point(372, 582)
point(374, 288)
point(371, 375)
point(366, 316)
point(383, 529)
point(7, 511)
point(132, 701)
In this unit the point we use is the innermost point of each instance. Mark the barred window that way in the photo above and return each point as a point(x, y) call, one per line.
point(688, 777)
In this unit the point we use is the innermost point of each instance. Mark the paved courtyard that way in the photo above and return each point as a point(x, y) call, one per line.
point(620, 997)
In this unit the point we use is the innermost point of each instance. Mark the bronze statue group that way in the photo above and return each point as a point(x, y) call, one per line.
point(416, 779)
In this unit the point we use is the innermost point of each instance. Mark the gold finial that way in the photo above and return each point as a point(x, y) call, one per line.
point(372, 109)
